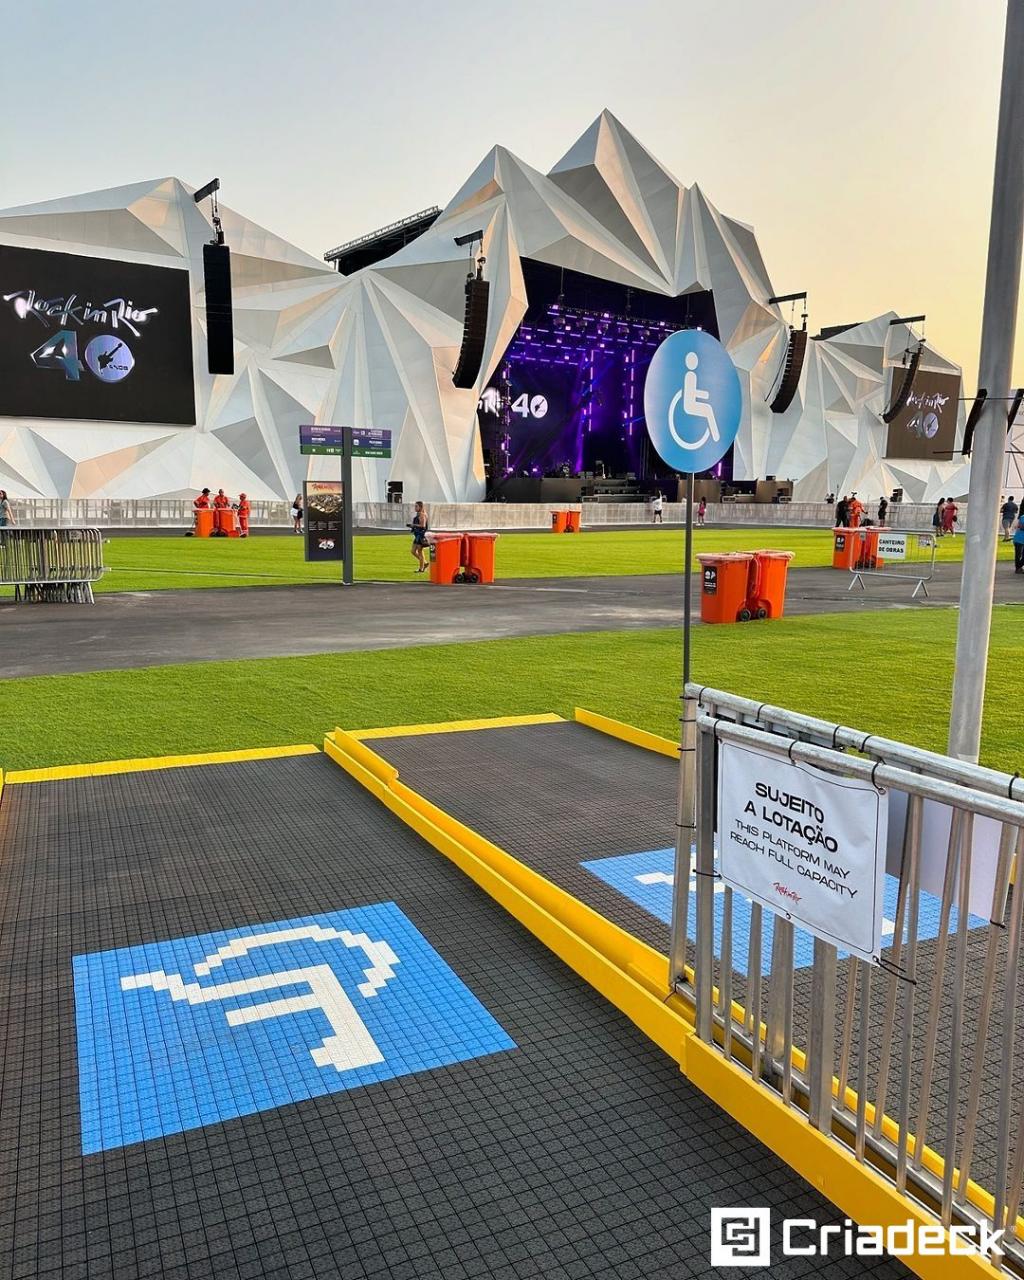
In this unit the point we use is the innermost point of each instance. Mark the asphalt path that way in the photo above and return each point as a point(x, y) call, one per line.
point(143, 629)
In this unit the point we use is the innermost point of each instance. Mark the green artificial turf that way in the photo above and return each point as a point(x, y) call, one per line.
point(162, 563)
point(884, 672)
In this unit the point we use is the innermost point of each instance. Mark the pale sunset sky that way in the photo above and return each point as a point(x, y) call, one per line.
point(856, 136)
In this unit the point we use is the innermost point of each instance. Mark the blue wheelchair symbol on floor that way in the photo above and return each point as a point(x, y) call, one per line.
point(177, 1035)
point(648, 879)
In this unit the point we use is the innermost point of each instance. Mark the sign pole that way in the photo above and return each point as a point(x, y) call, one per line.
point(693, 404)
point(347, 567)
point(686, 818)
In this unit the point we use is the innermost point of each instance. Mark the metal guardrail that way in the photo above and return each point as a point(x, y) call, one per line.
point(894, 1062)
point(51, 565)
point(907, 554)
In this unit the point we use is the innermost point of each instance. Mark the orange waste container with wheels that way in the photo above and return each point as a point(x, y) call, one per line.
point(768, 597)
point(204, 522)
point(445, 557)
point(480, 556)
point(559, 521)
point(572, 521)
point(845, 548)
point(868, 557)
point(226, 521)
point(723, 586)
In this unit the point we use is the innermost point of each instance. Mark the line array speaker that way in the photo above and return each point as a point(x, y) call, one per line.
point(474, 333)
point(791, 373)
point(220, 338)
point(904, 391)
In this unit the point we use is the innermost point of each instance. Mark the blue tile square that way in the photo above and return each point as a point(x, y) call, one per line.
point(646, 878)
point(194, 1031)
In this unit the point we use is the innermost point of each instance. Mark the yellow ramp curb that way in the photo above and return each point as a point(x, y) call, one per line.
point(142, 765)
point(626, 732)
point(451, 726)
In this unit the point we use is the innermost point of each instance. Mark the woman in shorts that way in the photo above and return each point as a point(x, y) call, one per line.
point(419, 536)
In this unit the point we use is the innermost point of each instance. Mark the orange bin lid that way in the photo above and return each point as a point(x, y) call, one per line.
point(724, 557)
point(776, 555)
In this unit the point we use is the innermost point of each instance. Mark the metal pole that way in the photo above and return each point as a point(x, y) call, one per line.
point(686, 817)
point(347, 567)
point(999, 322)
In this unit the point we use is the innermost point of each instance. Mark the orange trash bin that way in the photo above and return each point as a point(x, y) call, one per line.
point(723, 585)
point(445, 557)
point(559, 520)
point(768, 596)
point(226, 522)
point(480, 556)
point(845, 548)
point(868, 557)
point(204, 522)
point(572, 521)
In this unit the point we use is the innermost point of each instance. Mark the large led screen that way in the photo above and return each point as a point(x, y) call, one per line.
point(94, 338)
point(925, 428)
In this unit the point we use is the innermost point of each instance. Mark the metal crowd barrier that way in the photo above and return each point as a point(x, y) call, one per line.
point(907, 554)
point(912, 1065)
point(51, 565)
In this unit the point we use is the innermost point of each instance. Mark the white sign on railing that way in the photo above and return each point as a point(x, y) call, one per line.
point(892, 546)
point(806, 844)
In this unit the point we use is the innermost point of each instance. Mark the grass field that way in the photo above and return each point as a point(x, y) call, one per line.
point(155, 564)
point(888, 673)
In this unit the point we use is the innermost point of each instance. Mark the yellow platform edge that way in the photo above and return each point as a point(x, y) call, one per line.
point(144, 764)
point(452, 726)
point(634, 977)
point(626, 732)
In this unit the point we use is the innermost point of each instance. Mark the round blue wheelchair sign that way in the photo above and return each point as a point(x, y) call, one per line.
point(692, 401)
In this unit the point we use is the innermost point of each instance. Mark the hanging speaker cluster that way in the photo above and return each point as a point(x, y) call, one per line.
point(474, 332)
point(220, 337)
point(791, 371)
point(905, 386)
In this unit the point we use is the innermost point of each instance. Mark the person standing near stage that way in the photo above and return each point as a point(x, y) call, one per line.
point(855, 510)
point(937, 517)
point(1018, 544)
point(202, 502)
point(949, 516)
point(657, 507)
point(419, 526)
point(883, 509)
point(1007, 514)
point(843, 513)
point(702, 510)
point(297, 513)
point(243, 507)
point(6, 510)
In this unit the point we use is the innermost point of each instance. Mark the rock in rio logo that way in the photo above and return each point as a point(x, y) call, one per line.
point(62, 311)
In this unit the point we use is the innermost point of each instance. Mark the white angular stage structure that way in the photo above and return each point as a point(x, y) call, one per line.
point(378, 348)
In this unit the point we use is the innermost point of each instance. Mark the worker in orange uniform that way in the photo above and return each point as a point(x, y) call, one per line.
point(220, 503)
point(202, 503)
point(243, 506)
point(856, 510)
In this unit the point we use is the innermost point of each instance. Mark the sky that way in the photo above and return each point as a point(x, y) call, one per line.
point(856, 136)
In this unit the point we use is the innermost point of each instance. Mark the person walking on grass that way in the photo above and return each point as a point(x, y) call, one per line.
point(1018, 544)
point(949, 517)
point(297, 513)
point(419, 526)
point(1007, 515)
point(937, 517)
point(657, 508)
point(6, 510)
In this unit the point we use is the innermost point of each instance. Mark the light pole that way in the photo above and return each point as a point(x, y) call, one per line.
point(999, 322)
